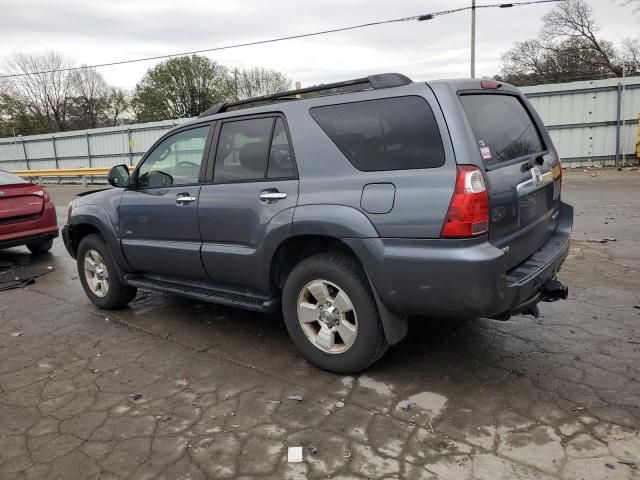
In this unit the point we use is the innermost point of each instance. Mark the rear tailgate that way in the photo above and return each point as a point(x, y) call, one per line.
point(522, 171)
point(20, 201)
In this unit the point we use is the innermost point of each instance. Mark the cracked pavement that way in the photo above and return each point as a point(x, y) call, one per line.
point(175, 389)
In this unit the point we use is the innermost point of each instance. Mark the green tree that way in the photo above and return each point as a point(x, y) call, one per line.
point(180, 88)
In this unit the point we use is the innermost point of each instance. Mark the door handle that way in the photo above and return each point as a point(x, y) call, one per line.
point(185, 199)
point(271, 196)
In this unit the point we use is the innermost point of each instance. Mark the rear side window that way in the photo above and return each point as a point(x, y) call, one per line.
point(7, 178)
point(397, 133)
point(502, 126)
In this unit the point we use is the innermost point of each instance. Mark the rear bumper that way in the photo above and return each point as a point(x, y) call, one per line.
point(42, 228)
point(460, 278)
point(34, 238)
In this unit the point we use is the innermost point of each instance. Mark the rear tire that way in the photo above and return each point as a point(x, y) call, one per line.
point(100, 275)
point(344, 336)
point(40, 247)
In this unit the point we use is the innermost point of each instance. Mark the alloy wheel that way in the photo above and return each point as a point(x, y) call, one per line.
point(96, 273)
point(327, 316)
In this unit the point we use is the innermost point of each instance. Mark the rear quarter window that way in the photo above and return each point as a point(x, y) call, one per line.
point(502, 127)
point(397, 133)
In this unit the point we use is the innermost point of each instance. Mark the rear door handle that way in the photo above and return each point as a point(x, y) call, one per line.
point(271, 196)
point(184, 199)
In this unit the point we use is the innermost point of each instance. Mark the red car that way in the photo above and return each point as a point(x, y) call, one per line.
point(27, 215)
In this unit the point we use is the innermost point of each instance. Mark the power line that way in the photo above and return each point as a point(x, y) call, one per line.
point(423, 17)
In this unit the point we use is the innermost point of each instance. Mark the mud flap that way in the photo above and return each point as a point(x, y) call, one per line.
point(395, 326)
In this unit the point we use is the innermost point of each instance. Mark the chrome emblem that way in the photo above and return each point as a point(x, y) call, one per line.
point(536, 174)
point(2, 194)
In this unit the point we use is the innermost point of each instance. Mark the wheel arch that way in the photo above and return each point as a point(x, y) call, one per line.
point(89, 219)
point(294, 249)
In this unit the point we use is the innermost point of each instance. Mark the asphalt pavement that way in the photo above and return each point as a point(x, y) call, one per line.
point(175, 389)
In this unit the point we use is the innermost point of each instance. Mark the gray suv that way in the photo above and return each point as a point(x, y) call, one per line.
point(348, 206)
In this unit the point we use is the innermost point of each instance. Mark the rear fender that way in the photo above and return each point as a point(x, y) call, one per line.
point(344, 223)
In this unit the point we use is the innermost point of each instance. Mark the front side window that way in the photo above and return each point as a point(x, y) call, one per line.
point(397, 133)
point(502, 126)
point(176, 161)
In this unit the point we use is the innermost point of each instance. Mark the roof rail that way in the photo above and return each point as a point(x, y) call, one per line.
point(384, 80)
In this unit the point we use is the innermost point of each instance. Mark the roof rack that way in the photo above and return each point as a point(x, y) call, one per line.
point(384, 80)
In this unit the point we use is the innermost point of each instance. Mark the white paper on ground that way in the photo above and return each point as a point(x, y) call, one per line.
point(294, 455)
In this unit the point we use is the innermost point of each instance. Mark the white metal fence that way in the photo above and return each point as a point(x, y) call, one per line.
point(591, 123)
point(98, 147)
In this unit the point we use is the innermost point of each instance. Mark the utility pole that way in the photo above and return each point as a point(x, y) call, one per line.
point(473, 38)
point(235, 81)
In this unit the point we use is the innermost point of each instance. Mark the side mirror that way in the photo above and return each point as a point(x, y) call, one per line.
point(119, 176)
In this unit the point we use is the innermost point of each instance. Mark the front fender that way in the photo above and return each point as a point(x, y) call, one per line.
point(97, 217)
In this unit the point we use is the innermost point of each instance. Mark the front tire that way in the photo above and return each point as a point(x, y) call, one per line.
point(99, 275)
point(40, 247)
point(331, 314)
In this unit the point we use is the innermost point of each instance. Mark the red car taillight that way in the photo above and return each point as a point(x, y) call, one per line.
point(468, 214)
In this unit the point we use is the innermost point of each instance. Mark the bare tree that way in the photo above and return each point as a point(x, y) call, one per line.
point(90, 96)
point(573, 19)
point(635, 3)
point(257, 81)
point(569, 48)
point(45, 95)
point(118, 105)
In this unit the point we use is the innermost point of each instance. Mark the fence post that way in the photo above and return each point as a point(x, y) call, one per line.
point(88, 150)
point(55, 153)
point(618, 115)
point(130, 149)
point(24, 149)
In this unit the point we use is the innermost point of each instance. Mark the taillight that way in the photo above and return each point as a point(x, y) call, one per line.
point(468, 214)
point(490, 85)
point(556, 171)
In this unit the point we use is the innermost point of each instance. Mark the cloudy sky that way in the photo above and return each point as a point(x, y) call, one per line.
point(108, 30)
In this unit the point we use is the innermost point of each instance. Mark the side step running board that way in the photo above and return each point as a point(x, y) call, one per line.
point(205, 294)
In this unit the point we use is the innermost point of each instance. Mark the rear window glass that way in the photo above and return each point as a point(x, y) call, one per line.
point(502, 127)
point(389, 134)
point(7, 178)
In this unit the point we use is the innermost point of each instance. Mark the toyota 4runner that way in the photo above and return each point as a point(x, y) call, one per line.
point(348, 206)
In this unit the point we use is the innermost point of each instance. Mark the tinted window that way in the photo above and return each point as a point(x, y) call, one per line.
point(7, 178)
point(280, 156)
point(502, 127)
point(176, 161)
point(243, 150)
point(389, 134)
